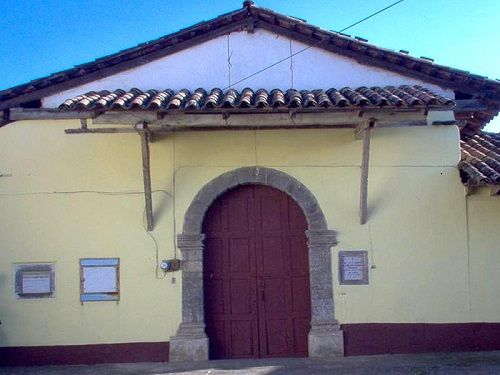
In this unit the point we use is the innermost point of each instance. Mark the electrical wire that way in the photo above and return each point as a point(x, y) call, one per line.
point(157, 247)
point(229, 65)
point(118, 193)
point(370, 16)
point(291, 63)
point(113, 193)
point(174, 171)
point(311, 45)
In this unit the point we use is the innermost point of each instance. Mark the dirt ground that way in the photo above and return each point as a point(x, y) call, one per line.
point(416, 364)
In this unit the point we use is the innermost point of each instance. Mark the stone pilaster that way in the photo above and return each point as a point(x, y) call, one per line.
point(191, 342)
point(325, 337)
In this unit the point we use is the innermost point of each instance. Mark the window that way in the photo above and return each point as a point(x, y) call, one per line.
point(34, 280)
point(99, 279)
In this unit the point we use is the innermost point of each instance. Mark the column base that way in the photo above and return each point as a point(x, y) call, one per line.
point(190, 344)
point(326, 341)
point(188, 349)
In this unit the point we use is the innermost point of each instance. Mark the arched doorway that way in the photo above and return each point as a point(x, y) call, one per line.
point(256, 275)
point(325, 339)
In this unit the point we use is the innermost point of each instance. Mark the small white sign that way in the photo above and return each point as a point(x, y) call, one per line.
point(36, 282)
point(99, 280)
point(353, 268)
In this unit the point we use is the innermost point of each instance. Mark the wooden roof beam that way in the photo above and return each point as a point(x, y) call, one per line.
point(234, 117)
point(467, 105)
point(18, 114)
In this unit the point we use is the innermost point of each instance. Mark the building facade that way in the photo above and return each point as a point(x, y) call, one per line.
point(346, 206)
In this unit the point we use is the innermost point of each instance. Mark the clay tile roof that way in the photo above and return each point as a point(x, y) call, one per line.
point(480, 159)
point(201, 99)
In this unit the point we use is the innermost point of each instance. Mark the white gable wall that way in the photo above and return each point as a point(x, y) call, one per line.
point(206, 65)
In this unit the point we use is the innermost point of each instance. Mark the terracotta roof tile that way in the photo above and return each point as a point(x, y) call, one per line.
point(480, 159)
point(200, 99)
point(229, 99)
point(161, 98)
point(246, 98)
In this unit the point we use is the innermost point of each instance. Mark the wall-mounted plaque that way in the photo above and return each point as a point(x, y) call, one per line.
point(99, 279)
point(34, 280)
point(353, 267)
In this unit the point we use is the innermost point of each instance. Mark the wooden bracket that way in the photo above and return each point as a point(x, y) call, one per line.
point(470, 189)
point(365, 164)
point(360, 130)
point(146, 172)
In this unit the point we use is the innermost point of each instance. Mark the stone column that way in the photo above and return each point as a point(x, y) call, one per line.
point(325, 337)
point(191, 342)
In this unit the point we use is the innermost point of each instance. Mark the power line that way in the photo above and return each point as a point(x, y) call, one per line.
point(371, 15)
point(310, 46)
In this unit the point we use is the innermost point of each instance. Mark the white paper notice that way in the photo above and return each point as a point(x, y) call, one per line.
point(36, 283)
point(99, 279)
point(353, 268)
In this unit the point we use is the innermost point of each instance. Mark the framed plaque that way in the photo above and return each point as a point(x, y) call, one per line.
point(34, 280)
point(353, 267)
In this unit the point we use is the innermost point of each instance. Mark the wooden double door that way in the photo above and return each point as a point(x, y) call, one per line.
point(256, 275)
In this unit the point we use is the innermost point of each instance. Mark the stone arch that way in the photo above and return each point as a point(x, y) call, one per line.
point(325, 337)
point(195, 214)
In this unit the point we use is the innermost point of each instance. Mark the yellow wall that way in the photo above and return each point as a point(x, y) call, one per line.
point(71, 196)
point(484, 252)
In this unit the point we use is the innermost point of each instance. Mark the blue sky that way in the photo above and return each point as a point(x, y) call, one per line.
point(39, 37)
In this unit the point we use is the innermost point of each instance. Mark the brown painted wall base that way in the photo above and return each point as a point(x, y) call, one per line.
point(373, 338)
point(359, 339)
point(84, 354)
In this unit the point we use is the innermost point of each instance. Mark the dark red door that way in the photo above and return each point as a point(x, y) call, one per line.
point(256, 276)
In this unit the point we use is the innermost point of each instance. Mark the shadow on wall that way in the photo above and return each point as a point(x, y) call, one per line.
point(4, 313)
point(376, 202)
point(161, 203)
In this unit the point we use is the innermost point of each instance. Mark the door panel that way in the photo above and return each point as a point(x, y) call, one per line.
point(276, 338)
point(242, 340)
point(256, 275)
point(301, 328)
point(215, 330)
point(273, 256)
point(300, 289)
point(239, 292)
point(240, 259)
